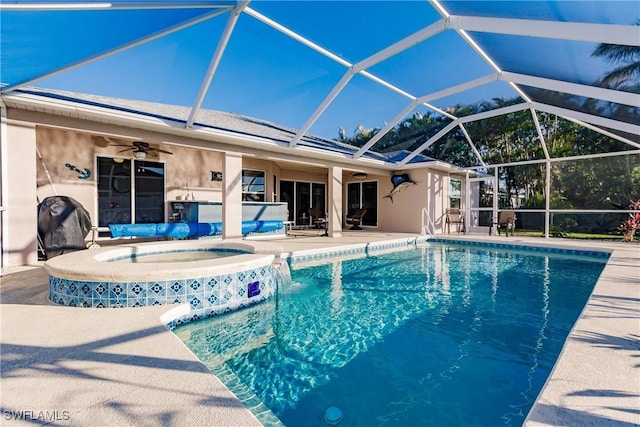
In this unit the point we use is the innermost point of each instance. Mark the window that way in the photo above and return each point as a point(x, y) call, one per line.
point(253, 186)
point(455, 193)
point(130, 191)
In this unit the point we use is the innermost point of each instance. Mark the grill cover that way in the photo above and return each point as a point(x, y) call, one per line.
point(63, 224)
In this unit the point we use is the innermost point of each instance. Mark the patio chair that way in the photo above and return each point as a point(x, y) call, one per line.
point(317, 217)
point(356, 219)
point(319, 220)
point(454, 216)
point(506, 220)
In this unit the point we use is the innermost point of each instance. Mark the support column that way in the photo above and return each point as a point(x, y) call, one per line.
point(334, 228)
point(232, 196)
point(496, 195)
point(547, 202)
point(20, 218)
point(467, 203)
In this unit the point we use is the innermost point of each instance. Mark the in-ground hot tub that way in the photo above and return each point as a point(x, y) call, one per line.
point(212, 277)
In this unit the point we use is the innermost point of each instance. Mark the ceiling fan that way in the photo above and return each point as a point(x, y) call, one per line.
point(140, 149)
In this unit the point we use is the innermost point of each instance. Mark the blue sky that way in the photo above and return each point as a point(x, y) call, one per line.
point(267, 75)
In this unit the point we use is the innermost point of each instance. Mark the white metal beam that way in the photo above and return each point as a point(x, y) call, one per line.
point(430, 141)
point(423, 100)
point(493, 113)
point(540, 135)
point(619, 97)
point(461, 120)
point(382, 132)
point(89, 5)
point(361, 66)
point(602, 131)
point(338, 59)
point(323, 106)
point(215, 61)
point(628, 35)
point(114, 51)
point(561, 159)
point(589, 118)
point(473, 146)
point(295, 36)
point(402, 45)
point(471, 84)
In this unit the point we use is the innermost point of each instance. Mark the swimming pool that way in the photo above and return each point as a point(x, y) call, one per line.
point(434, 335)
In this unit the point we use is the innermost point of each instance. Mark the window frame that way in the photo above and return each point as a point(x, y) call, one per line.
point(254, 196)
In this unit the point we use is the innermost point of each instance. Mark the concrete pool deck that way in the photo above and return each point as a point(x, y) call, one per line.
point(89, 366)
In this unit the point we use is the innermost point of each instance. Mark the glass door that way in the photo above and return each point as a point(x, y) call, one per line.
point(370, 203)
point(363, 195)
point(287, 195)
point(114, 192)
point(149, 192)
point(301, 196)
point(481, 191)
point(319, 197)
point(303, 203)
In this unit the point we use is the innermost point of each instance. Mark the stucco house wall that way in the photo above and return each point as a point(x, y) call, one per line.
point(187, 170)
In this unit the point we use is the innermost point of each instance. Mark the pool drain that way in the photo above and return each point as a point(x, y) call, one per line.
point(333, 415)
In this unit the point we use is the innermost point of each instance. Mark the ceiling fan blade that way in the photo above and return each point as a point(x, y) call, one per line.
point(163, 151)
point(126, 149)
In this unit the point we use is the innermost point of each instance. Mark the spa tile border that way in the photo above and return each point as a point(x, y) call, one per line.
point(206, 296)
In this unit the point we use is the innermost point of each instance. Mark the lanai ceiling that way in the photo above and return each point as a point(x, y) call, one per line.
point(321, 68)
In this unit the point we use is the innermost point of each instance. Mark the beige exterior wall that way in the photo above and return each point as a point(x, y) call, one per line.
point(405, 214)
point(187, 170)
point(57, 148)
point(296, 175)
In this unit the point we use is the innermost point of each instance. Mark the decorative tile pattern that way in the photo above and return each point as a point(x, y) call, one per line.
point(563, 251)
point(207, 296)
point(371, 248)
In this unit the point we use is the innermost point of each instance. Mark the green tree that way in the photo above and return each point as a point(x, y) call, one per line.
point(626, 75)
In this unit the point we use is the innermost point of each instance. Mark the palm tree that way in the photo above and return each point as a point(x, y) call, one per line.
point(629, 69)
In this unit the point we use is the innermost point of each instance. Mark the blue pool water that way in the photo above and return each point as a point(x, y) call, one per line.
point(435, 335)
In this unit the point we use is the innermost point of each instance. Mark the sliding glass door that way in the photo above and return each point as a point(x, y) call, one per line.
point(302, 196)
point(363, 195)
